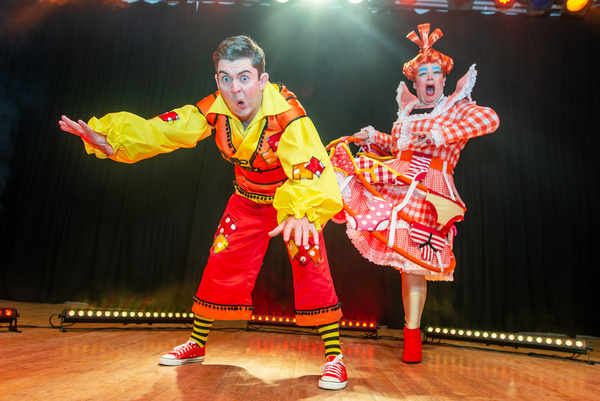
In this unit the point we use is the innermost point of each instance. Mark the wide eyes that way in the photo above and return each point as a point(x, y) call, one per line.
point(227, 79)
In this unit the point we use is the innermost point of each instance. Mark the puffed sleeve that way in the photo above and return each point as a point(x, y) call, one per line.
point(134, 138)
point(311, 189)
point(473, 121)
point(382, 140)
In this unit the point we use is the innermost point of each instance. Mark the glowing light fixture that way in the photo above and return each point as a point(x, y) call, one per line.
point(576, 8)
point(562, 344)
point(353, 325)
point(504, 5)
point(111, 316)
point(9, 315)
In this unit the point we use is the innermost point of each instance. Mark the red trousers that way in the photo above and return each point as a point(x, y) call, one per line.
point(235, 259)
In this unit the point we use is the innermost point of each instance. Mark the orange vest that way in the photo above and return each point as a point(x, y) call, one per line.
point(258, 177)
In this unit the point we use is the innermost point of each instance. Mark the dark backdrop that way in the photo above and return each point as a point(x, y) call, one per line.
point(76, 228)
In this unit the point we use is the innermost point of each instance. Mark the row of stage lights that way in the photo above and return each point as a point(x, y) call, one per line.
point(517, 340)
point(576, 8)
point(71, 316)
point(290, 321)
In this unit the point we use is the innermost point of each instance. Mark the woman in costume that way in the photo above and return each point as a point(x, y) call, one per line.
point(401, 204)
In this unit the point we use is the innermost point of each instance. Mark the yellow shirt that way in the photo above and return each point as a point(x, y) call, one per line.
point(134, 138)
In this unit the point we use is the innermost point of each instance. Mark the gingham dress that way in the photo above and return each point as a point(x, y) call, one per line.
point(452, 122)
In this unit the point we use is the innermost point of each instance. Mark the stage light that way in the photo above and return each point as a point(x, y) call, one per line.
point(536, 8)
point(9, 315)
point(352, 325)
point(551, 343)
point(463, 6)
point(108, 316)
point(575, 8)
point(504, 5)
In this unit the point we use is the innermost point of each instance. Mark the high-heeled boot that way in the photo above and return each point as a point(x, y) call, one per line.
point(412, 346)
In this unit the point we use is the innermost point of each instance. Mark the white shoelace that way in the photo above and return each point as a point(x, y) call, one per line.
point(184, 347)
point(333, 368)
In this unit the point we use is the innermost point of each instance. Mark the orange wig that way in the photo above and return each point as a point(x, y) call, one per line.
point(427, 54)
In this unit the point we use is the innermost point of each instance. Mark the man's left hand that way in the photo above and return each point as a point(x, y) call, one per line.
point(302, 228)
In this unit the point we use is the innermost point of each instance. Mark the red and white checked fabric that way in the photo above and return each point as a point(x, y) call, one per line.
point(375, 172)
point(458, 119)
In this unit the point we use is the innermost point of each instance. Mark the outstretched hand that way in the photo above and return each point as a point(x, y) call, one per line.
point(421, 139)
point(81, 129)
point(303, 229)
point(362, 135)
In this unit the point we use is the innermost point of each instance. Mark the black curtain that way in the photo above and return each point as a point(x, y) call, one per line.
point(76, 228)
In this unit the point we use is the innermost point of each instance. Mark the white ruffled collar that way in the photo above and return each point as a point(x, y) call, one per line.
point(407, 101)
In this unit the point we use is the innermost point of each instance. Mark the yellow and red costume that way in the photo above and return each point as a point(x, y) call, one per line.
point(281, 170)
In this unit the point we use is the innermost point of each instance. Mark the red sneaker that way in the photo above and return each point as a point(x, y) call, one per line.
point(184, 353)
point(334, 374)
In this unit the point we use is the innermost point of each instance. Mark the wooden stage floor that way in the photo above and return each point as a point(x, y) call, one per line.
point(117, 362)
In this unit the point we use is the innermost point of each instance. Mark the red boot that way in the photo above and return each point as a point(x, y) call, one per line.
point(412, 346)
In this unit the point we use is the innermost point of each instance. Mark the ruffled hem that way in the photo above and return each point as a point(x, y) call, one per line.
point(393, 259)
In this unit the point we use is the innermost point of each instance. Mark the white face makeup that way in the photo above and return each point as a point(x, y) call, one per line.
point(430, 83)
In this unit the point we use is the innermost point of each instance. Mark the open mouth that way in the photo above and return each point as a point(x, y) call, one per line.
point(430, 90)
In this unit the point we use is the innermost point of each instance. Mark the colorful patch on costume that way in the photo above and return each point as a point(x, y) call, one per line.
point(315, 166)
point(269, 156)
point(428, 240)
point(169, 117)
point(376, 219)
point(274, 141)
point(226, 226)
point(342, 160)
point(308, 170)
point(446, 210)
point(300, 172)
point(304, 254)
point(292, 249)
point(220, 243)
point(418, 167)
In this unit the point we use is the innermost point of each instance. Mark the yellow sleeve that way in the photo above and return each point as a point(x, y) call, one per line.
point(134, 138)
point(305, 193)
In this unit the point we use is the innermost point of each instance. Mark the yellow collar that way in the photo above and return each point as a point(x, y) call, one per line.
point(272, 104)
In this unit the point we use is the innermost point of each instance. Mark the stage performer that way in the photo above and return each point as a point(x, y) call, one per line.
point(423, 148)
point(284, 184)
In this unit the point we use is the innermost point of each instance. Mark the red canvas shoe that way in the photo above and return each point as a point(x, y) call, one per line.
point(412, 346)
point(334, 374)
point(182, 354)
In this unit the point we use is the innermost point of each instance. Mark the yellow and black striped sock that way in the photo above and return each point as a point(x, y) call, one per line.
point(201, 329)
point(330, 333)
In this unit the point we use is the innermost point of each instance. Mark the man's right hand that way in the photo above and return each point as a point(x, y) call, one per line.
point(81, 129)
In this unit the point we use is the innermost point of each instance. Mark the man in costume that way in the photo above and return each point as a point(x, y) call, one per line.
point(402, 206)
point(284, 184)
